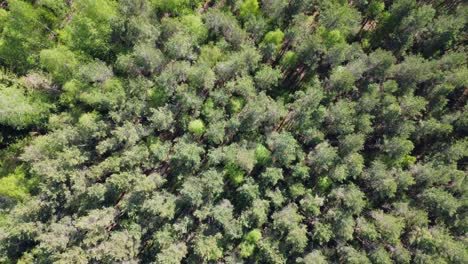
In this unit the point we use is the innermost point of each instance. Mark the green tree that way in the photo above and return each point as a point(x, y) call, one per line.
point(90, 29)
point(284, 148)
point(207, 247)
point(249, 8)
point(267, 78)
point(390, 227)
point(439, 202)
point(23, 35)
point(245, 131)
point(196, 127)
point(60, 62)
point(272, 175)
point(20, 110)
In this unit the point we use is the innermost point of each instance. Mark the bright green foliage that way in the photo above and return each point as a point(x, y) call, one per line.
point(247, 131)
point(246, 249)
point(297, 190)
point(3, 15)
point(157, 96)
point(262, 154)
point(194, 25)
point(272, 43)
point(253, 236)
point(60, 62)
point(207, 247)
point(375, 8)
point(235, 105)
point(196, 127)
point(234, 173)
point(175, 6)
point(324, 183)
point(23, 34)
point(332, 38)
point(15, 185)
point(249, 8)
point(289, 59)
point(274, 37)
point(248, 244)
point(322, 233)
point(19, 110)
point(210, 55)
point(90, 27)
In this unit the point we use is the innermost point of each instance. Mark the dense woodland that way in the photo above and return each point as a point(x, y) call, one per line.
point(233, 131)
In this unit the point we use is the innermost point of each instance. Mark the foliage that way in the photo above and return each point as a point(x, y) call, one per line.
point(23, 34)
point(196, 127)
point(89, 30)
point(249, 131)
point(15, 185)
point(20, 110)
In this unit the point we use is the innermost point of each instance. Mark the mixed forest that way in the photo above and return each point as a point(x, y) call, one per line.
point(233, 131)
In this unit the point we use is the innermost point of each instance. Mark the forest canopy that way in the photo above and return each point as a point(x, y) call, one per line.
point(233, 131)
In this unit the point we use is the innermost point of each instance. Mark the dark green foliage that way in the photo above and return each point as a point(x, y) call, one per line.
point(247, 131)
